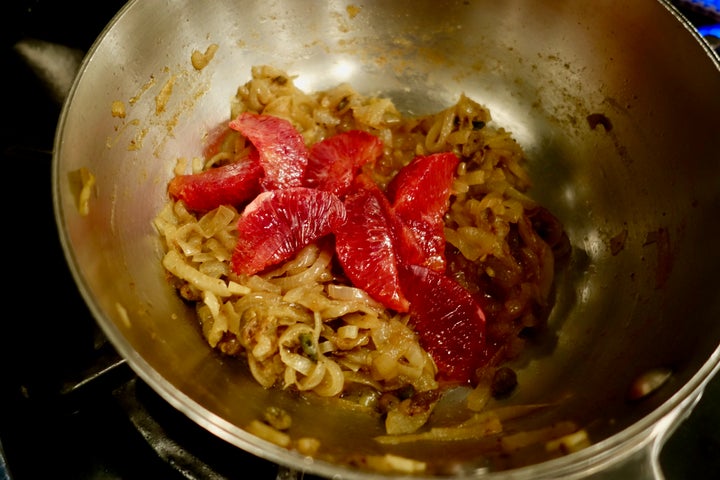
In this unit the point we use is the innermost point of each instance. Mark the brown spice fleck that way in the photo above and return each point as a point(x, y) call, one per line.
point(617, 243)
point(595, 119)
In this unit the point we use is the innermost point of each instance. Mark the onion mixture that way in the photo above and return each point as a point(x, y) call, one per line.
point(301, 324)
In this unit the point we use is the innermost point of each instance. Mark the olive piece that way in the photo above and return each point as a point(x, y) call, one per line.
point(504, 382)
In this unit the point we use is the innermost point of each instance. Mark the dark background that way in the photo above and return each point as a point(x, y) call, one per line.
point(52, 424)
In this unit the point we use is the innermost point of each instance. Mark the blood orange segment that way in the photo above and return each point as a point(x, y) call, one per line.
point(277, 224)
point(365, 245)
point(230, 184)
point(334, 161)
point(421, 243)
point(420, 196)
point(448, 320)
point(425, 182)
point(283, 154)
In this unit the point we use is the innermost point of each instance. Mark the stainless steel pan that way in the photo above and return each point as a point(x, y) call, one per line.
point(615, 102)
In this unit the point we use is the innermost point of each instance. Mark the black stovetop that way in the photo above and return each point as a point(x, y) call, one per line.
point(71, 407)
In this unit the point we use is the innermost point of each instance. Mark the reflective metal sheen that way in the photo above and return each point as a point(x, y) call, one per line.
point(610, 99)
